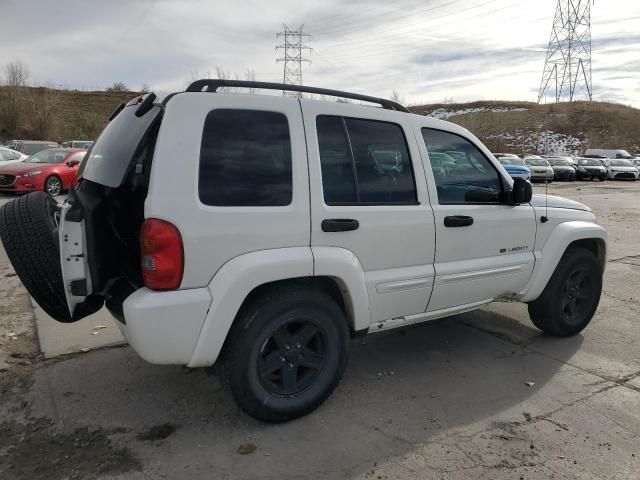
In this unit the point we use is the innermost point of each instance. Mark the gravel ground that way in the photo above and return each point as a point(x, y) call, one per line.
point(481, 395)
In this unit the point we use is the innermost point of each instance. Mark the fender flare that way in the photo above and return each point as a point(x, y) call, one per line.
point(547, 259)
point(237, 278)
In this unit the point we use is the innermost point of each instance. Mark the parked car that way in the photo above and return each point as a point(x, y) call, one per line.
point(590, 168)
point(51, 171)
point(540, 169)
point(636, 162)
point(86, 144)
point(562, 169)
point(279, 235)
point(29, 147)
point(620, 169)
point(505, 155)
point(515, 167)
point(9, 156)
point(609, 153)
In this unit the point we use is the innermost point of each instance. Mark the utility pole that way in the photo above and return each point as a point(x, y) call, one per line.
point(567, 67)
point(293, 48)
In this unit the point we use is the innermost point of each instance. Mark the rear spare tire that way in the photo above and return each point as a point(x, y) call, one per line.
point(29, 233)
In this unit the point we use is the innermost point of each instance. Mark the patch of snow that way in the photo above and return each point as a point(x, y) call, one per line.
point(444, 113)
point(545, 142)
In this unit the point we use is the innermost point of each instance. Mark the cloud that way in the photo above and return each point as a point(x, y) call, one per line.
point(425, 49)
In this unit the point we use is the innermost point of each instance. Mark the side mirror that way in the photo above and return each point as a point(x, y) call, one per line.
point(521, 192)
point(73, 163)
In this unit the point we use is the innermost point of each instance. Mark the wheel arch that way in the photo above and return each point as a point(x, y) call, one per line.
point(564, 236)
point(248, 276)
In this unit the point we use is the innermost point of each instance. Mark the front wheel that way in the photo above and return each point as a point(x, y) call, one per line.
point(571, 297)
point(285, 353)
point(53, 186)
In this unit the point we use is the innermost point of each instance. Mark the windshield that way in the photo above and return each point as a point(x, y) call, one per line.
point(108, 160)
point(512, 161)
point(536, 162)
point(53, 155)
point(621, 163)
point(559, 162)
point(590, 163)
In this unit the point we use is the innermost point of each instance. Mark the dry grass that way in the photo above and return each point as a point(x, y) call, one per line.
point(595, 124)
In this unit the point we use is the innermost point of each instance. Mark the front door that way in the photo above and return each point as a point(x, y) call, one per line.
point(368, 196)
point(484, 247)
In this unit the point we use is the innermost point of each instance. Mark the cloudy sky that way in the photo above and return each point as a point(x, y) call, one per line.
point(427, 50)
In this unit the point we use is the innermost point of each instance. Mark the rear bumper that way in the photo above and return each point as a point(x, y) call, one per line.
point(163, 327)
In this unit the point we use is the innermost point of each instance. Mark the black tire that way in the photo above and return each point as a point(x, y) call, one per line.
point(256, 341)
point(48, 188)
point(30, 237)
point(571, 297)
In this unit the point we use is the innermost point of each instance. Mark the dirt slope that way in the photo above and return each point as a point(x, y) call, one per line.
point(521, 127)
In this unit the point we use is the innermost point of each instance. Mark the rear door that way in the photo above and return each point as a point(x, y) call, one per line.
point(369, 196)
point(484, 248)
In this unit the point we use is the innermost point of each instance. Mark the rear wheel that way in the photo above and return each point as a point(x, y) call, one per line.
point(53, 185)
point(570, 299)
point(285, 353)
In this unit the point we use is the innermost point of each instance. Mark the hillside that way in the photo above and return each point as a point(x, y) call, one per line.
point(516, 127)
point(521, 127)
point(75, 114)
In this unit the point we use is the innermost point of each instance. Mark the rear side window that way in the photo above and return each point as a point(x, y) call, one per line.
point(245, 159)
point(364, 162)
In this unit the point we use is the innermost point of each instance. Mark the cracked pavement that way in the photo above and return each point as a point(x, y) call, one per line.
point(482, 395)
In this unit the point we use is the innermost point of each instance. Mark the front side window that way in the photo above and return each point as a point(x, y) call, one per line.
point(245, 159)
point(364, 162)
point(462, 173)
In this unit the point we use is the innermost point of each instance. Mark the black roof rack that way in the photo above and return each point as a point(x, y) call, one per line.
point(213, 84)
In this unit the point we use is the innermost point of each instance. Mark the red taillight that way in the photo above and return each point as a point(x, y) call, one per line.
point(161, 255)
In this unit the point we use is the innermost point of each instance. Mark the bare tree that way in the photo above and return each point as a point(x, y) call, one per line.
point(87, 125)
point(42, 107)
point(222, 74)
point(250, 76)
point(396, 97)
point(11, 95)
point(145, 88)
point(117, 87)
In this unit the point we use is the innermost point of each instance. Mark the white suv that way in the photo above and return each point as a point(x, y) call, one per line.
point(260, 232)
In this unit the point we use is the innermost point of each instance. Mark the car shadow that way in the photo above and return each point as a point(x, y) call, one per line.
point(400, 389)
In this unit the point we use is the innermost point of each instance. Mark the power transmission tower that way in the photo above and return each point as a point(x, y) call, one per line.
point(293, 58)
point(567, 67)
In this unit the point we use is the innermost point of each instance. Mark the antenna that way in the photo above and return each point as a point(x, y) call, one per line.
point(568, 62)
point(545, 218)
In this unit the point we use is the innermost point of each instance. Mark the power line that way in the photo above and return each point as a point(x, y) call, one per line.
point(567, 66)
point(293, 58)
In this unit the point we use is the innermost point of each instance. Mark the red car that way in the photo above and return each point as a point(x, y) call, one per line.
point(51, 171)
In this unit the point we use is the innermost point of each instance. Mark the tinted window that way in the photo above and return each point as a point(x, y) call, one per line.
point(245, 159)
point(337, 169)
point(364, 162)
point(463, 174)
point(112, 154)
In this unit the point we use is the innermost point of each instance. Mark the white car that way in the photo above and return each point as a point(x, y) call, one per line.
point(9, 156)
point(290, 225)
point(619, 169)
